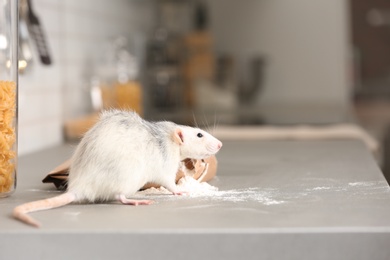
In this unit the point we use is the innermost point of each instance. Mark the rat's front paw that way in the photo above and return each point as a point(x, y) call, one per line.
point(172, 187)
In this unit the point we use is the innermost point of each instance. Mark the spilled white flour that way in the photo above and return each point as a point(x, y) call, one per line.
point(265, 196)
point(319, 188)
point(362, 184)
point(187, 184)
point(206, 191)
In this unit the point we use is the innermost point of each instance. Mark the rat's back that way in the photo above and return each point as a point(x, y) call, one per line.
point(110, 157)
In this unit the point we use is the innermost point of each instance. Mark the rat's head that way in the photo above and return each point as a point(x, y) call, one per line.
point(196, 143)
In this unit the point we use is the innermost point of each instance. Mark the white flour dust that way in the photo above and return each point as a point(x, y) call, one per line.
point(249, 194)
point(206, 191)
point(361, 184)
point(319, 188)
point(266, 196)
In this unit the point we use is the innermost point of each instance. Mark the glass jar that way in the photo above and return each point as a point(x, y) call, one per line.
point(8, 95)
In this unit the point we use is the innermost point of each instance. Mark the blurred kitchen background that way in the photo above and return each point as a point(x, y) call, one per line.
point(224, 62)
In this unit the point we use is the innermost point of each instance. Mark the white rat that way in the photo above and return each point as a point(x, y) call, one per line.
point(122, 153)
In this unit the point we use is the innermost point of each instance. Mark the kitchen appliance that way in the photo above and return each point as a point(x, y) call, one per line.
point(38, 35)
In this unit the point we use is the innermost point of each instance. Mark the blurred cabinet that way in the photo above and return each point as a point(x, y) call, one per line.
point(370, 24)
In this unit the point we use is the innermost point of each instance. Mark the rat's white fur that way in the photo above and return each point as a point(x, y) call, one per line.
point(122, 153)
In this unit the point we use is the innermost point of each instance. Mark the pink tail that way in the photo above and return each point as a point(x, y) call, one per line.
point(20, 212)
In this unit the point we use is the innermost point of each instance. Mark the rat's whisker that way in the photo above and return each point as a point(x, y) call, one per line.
point(194, 118)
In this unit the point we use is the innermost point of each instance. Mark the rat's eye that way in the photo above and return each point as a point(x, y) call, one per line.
point(200, 135)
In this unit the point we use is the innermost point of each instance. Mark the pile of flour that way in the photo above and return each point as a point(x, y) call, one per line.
point(188, 184)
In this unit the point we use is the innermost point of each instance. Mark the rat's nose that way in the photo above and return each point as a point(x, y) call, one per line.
point(219, 145)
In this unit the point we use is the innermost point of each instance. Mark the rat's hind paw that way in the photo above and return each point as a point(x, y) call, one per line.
point(122, 198)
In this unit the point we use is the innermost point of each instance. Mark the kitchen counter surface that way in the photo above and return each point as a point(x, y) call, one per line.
point(276, 200)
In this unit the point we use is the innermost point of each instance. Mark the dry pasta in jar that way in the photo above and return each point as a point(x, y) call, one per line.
point(7, 135)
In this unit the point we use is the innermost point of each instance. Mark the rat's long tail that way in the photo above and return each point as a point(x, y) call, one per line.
point(20, 212)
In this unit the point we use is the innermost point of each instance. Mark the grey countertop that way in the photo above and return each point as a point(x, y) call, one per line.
point(276, 200)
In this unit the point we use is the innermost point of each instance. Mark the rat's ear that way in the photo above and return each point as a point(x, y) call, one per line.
point(178, 136)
